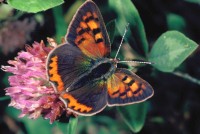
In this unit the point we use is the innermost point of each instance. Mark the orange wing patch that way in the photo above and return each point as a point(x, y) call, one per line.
point(75, 105)
point(89, 36)
point(53, 73)
point(123, 86)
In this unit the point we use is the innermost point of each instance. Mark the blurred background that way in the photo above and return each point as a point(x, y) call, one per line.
point(173, 109)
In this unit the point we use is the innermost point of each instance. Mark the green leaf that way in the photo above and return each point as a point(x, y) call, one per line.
point(99, 125)
point(111, 30)
point(72, 126)
point(109, 123)
point(193, 1)
point(33, 125)
point(5, 11)
point(127, 13)
point(34, 6)
point(170, 50)
point(68, 128)
point(158, 120)
point(61, 26)
point(5, 79)
point(13, 112)
point(30, 124)
point(4, 98)
point(72, 10)
point(44, 125)
point(176, 22)
point(134, 115)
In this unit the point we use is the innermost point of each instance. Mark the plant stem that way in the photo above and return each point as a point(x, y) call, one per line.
point(187, 77)
point(4, 98)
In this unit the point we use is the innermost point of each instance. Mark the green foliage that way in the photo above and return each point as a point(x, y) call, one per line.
point(175, 22)
point(72, 10)
point(5, 11)
point(170, 50)
point(4, 98)
point(5, 79)
point(193, 1)
point(111, 30)
point(41, 126)
point(71, 127)
point(34, 6)
point(68, 128)
point(134, 115)
point(61, 26)
point(32, 126)
point(99, 124)
point(127, 13)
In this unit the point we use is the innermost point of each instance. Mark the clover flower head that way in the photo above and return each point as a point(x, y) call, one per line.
point(30, 90)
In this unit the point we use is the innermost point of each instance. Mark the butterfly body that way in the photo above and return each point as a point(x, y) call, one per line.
point(103, 68)
point(100, 70)
point(84, 75)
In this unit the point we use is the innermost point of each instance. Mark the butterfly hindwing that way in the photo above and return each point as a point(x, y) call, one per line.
point(65, 64)
point(86, 97)
point(125, 87)
point(87, 31)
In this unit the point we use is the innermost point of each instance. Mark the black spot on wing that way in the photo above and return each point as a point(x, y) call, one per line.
point(99, 40)
point(122, 94)
point(96, 31)
point(89, 19)
point(80, 41)
point(138, 90)
point(82, 31)
point(131, 83)
point(124, 78)
point(116, 92)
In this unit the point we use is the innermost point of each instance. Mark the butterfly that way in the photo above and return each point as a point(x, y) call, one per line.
point(82, 72)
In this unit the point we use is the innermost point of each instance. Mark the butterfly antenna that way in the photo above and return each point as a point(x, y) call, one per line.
point(142, 62)
point(126, 29)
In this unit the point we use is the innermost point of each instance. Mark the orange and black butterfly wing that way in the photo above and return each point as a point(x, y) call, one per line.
point(86, 97)
point(87, 31)
point(65, 64)
point(125, 87)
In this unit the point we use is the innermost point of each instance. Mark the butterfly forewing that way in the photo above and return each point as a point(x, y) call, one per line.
point(125, 87)
point(65, 64)
point(87, 31)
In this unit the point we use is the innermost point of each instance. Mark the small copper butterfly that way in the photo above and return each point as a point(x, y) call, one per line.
point(82, 72)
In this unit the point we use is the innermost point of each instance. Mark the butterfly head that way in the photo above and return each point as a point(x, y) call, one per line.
point(115, 61)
